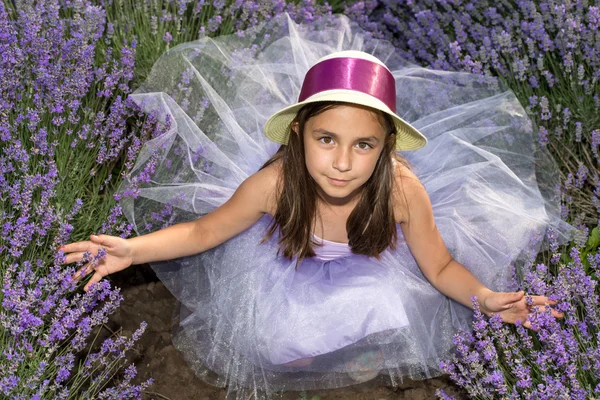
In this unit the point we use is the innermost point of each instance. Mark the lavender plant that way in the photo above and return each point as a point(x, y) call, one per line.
point(63, 131)
point(161, 24)
point(68, 136)
point(546, 51)
point(559, 359)
point(44, 330)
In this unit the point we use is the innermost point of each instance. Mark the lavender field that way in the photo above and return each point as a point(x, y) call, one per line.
point(69, 135)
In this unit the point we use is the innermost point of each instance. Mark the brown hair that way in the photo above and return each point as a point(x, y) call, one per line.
point(297, 195)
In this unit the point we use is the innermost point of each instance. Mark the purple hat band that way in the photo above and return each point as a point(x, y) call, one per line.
point(352, 74)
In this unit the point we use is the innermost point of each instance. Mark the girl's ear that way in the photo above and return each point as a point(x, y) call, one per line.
point(296, 127)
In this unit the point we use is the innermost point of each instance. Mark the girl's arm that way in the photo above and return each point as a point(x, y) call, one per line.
point(428, 248)
point(253, 198)
point(447, 275)
point(249, 203)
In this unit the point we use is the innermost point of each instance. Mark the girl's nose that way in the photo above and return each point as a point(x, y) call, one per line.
point(343, 161)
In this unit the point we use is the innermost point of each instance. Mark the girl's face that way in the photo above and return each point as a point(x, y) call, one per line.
point(342, 146)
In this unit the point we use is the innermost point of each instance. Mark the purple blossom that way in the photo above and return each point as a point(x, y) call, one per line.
point(50, 83)
point(545, 114)
point(555, 347)
point(542, 136)
point(582, 174)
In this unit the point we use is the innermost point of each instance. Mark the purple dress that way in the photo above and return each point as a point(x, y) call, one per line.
point(247, 313)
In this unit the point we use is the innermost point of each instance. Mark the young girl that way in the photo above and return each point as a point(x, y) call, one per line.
point(323, 260)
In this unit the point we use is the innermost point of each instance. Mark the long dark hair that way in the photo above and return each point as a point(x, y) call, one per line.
point(297, 195)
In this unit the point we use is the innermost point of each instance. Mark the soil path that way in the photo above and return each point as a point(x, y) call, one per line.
point(147, 299)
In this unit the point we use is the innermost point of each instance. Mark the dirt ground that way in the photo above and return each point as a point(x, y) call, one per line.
point(147, 299)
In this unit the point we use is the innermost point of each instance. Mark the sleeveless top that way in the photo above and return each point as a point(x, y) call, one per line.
point(326, 250)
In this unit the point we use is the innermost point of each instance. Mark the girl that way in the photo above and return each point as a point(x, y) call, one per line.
point(328, 265)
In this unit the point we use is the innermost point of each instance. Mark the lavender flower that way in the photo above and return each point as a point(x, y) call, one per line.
point(557, 359)
point(540, 49)
point(53, 99)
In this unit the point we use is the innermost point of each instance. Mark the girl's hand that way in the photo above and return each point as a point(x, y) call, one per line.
point(512, 306)
point(119, 255)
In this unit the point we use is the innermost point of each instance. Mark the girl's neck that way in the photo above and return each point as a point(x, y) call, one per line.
point(345, 203)
point(331, 220)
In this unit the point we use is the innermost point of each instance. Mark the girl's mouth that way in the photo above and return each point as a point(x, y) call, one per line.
point(337, 182)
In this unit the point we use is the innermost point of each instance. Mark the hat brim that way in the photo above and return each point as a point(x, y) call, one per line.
point(408, 137)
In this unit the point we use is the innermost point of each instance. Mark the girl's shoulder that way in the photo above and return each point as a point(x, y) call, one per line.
point(407, 188)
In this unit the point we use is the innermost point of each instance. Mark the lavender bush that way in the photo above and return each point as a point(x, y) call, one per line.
point(160, 24)
point(68, 136)
point(546, 51)
point(560, 359)
point(63, 135)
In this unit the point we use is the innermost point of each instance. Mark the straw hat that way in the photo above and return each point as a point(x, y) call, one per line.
point(353, 77)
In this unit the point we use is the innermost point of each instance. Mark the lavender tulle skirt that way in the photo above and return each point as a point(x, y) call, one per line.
point(247, 316)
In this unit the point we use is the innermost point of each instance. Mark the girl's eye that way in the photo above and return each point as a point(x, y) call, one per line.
point(325, 140)
point(364, 146)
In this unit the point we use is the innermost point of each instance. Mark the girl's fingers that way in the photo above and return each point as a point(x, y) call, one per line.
point(82, 272)
point(73, 257)
point(514, 297)
point(97, 277)
point(555, 313)
point(77, 246)
point(539, 300)
point(542, 300)
point(511, 300)
point(85, 271)
point(540, 309)
point(502, 301)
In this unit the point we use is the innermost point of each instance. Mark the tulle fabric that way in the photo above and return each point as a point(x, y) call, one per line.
point(247, 313)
